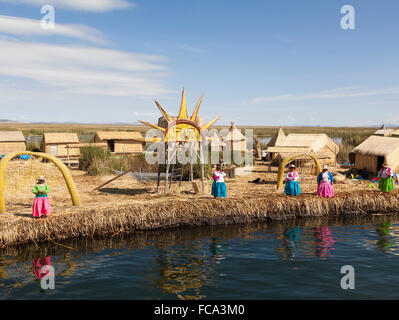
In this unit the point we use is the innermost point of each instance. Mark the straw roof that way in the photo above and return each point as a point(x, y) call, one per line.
point(234, 134)
point(289, 150)
point(91, 144)
point(11, 136)
point(378, 146)
point(215, 140)
point(384, 132)
point(396, 133)
point(50, 138)
point(119, 135)
point(295, 143)
point(276, 140)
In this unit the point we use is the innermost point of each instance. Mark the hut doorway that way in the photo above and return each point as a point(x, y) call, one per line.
point(111, 145)
point(380, 162)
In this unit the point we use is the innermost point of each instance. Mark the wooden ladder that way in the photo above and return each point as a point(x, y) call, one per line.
point(179, 172)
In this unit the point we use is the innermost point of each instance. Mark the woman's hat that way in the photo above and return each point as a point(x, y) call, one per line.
point(385, 164)
point(41, 178)
point(325, 167)
point(292, 166)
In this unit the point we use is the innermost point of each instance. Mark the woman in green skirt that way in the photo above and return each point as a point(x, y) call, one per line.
point(386, 181)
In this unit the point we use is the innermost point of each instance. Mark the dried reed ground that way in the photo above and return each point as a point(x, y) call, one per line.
point(127, 206)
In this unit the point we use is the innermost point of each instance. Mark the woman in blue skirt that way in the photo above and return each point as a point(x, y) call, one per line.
point(292, 186)
point(218, 185)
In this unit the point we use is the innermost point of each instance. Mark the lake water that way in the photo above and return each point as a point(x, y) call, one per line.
point(278, 260)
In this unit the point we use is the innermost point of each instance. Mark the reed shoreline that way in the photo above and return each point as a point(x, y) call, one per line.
point(198, 212)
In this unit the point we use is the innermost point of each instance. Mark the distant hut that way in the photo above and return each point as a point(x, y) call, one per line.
point(121, 142)
point(384, 132)
point(374, 151)
point(275, 141)
point(57, 144)
point(320, 145)
point(235, 140)
point(11, 141)
point(395, 133)
point(215, 143)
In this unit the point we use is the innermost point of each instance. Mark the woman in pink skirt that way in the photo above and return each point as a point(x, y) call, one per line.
point(41, 204)
point(325, 182)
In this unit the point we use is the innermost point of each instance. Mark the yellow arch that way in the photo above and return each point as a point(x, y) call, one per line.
point(64, 170)
point(280, 175)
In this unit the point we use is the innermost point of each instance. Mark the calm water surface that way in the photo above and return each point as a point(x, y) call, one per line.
point(279, 260)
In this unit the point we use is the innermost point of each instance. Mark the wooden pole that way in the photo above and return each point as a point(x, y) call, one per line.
point(167, 170)
point(159, 176)
point(191, 162)
point(171, 175)
point(118, 176)
point(202, 167)
point(69, 163)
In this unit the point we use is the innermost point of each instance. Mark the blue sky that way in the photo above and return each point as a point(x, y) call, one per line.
point(257, 62)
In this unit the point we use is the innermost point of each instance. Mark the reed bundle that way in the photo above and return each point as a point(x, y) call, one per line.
point(167, 213)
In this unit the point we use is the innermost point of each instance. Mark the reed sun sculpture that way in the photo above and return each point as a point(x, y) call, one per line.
point(182, 132)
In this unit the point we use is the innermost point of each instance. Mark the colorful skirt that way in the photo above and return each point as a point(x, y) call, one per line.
point(325, 189)
point(219, 189)
point(41, 205)
point(386, 184)
point(292, 188)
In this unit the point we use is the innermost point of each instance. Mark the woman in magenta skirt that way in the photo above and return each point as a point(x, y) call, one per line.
point(41, 204)
point(325, 182)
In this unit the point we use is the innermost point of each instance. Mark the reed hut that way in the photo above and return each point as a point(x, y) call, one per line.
point(121, 142)
point(277, 138)
point(374, 151)
point(215, 143)
point(57, 145)
point(384, 132)
point(11, 141)
point(235, 140)
point(395, 133)
point(320, 145)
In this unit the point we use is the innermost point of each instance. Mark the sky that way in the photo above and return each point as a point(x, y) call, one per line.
point(257, 62)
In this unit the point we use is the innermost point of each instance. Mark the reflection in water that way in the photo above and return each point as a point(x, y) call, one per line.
point(37, 265)
point(217, 250)
point(289, 243)
point(383, 230)
point(324, 242)
point(182, 271)
point(194, 263)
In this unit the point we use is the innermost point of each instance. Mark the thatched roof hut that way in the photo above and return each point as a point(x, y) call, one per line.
point(11, 141)
point(384, 132)
point(395, 133)
point(215, 142)
point(374, 151)
point(277, 139)
point(235, 140)
point(121, 142)
point(320, 145)
point(56, 144)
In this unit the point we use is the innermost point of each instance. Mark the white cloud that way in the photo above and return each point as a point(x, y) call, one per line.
point(80, 5)
point(339, 93)
point(22, 26)
point(82, 70)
